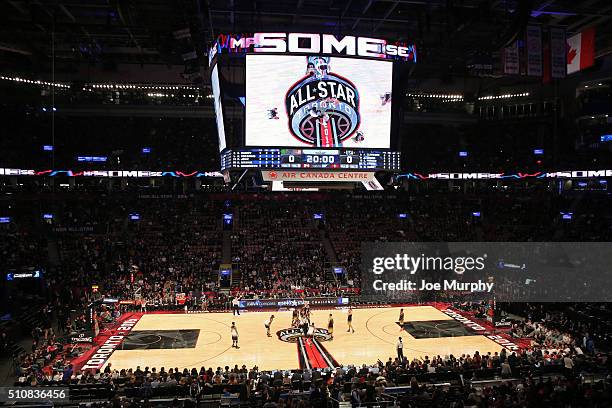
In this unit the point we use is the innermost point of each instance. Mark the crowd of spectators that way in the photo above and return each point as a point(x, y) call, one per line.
point(506, 379)
point(154, 248)
point(174, 246)
point(564, 326)
point(277, 245)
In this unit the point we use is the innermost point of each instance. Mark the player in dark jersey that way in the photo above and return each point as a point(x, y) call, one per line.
point(234, 332)
point(349, 320)
point(295, 319)
point(304, 325)
point(330, 326)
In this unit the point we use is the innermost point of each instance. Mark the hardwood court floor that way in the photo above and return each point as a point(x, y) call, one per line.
point(375, 337)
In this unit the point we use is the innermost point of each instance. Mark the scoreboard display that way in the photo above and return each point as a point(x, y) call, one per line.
point(341, 159)
point(318, 102)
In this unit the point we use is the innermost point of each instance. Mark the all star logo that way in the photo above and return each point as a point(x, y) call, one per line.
point(292, 335)
point(323, 107)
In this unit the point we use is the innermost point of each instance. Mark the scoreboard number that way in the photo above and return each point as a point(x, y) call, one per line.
point(320, 159)
point(350, 159)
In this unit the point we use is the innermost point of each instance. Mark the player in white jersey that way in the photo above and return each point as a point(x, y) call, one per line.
point(311, 330)
point(268, 324)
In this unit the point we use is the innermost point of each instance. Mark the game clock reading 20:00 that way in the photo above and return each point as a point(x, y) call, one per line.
point(332, 159)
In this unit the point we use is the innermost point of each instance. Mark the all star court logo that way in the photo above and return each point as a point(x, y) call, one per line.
point(292, 335)
point(323, 106)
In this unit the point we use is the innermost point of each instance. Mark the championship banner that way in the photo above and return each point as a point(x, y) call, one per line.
point(316, 176)
point(558, 53)
point(534, 50)
point(511, 59)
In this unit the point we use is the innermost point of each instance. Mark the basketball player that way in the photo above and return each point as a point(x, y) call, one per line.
point(311, 330)
point(295, 319)
point(401, 318)
point(330, 326)
point(307, 309)
point(304, 325)
point(349, 320)
point(268, 324)
point(234, 331)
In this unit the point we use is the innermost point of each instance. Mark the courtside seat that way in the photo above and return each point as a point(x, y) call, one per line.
point(486, 373)
point(423, 402)
point(120, 381)
point(448, 376)
point(174, 390)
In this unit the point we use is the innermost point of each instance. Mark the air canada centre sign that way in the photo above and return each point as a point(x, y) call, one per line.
point(316, 176)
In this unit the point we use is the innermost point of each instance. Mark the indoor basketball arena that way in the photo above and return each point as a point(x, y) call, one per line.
point(306, 203)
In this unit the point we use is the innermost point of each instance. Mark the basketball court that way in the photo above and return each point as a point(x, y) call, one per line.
point(204, 340)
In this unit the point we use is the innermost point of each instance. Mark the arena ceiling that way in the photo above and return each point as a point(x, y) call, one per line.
point(107, 32)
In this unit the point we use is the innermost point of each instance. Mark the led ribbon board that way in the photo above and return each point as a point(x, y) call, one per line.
point(312, 43)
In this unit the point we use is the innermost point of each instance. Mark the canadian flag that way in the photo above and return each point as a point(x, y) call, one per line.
point(581, 50)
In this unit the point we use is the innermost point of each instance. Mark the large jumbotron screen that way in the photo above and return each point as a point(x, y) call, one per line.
point(318, 101)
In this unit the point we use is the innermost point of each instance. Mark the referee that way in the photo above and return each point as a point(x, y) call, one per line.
point(400, 350)
point(236, 306)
